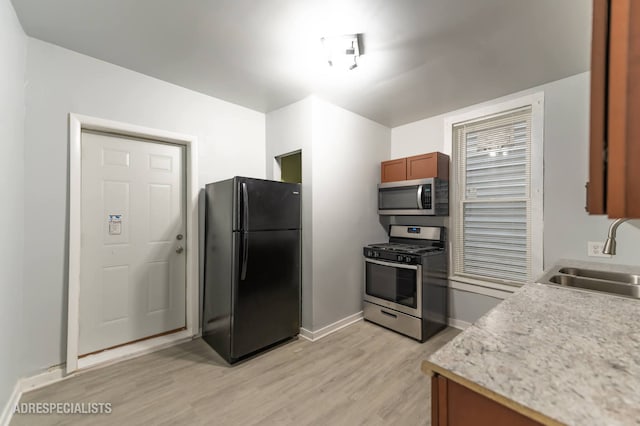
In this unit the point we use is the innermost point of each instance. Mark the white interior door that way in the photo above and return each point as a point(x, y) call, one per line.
point(132, 274)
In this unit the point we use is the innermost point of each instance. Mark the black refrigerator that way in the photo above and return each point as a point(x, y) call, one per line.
point(252, 271)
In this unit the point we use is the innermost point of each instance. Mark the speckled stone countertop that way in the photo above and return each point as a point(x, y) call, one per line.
point(572, 356)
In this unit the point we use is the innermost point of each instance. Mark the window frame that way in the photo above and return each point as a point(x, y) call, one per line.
point(476, 113)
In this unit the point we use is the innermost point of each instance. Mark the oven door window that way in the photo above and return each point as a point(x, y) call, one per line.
point(393, 284)
point(404, 197)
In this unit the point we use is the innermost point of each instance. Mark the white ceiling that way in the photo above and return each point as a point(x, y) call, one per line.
point(422, 57)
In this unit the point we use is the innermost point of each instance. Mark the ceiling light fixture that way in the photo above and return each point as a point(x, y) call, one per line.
point(343, 51)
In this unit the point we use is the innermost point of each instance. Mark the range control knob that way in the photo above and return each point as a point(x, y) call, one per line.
point(407, 259)
point(369, 253)
point(400, 258)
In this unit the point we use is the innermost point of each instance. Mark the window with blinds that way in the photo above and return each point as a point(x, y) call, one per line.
point(493, 176)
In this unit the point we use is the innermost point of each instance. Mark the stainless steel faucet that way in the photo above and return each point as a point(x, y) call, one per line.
point(610, 244)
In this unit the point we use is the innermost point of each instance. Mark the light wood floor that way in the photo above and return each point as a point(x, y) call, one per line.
point(360, 375)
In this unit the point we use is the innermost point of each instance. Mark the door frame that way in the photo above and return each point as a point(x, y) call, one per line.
point(78, 123)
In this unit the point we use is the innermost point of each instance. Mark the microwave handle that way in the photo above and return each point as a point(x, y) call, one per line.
point(420, 197)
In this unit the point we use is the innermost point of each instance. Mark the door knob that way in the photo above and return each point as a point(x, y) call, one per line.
point(179, 250)
point(179, 237)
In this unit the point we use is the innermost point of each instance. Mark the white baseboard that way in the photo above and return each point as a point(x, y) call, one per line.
point(306, 334)
point(459, 324)
point(102, 359)
point(53, 375)
point(10, 407)
point(331, 328)
point(26, 384)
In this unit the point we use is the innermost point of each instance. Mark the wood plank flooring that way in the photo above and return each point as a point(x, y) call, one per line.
point(360, 375)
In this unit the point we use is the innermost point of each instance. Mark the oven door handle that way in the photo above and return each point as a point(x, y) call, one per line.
point(392, 264)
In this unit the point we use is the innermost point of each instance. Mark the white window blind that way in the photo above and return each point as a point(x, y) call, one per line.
point(493, 175)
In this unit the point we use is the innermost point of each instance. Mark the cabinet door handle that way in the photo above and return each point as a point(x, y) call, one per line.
point(586, 187)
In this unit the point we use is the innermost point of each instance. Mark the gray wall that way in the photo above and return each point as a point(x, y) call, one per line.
point(341, 154)
point(13, 49)
point(567, 227)
point(230, 142)
point(347, 151)
point(467, 306)
point(288, 130)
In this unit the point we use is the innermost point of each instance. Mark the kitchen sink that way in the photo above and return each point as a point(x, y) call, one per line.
point(602, 275)
point(618, 283)
point(630, 290)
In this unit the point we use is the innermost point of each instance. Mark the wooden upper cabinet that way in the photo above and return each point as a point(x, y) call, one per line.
point(435, 164)
point(597, 124)
point(393, 170)
point(614, 177)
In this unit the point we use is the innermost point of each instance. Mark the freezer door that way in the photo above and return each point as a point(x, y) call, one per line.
point(266, 293)
point(267, 205)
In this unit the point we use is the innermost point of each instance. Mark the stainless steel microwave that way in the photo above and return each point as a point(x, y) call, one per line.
point(414, 197)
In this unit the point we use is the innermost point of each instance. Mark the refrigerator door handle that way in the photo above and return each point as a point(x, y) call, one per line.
point(245, 207)
point(245, 255)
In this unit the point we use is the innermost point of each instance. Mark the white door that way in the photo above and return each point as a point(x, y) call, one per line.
point(132, 276)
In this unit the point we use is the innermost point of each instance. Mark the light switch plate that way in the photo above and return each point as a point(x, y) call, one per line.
point(594, 249)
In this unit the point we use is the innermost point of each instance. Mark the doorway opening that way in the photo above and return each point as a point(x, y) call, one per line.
point(290, 167)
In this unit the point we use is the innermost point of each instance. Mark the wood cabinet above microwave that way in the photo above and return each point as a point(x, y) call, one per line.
point(433, 164)
point(614, 153)
point(393, 170)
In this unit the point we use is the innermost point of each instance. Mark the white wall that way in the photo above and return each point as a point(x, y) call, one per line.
point(347, 151)
point(231, 142)
point(13, 50)
point(418, 137)
point(341, 155)
point(289, 129)
point(567, 227)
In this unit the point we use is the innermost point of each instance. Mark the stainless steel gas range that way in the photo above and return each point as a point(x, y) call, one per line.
point(406, 281)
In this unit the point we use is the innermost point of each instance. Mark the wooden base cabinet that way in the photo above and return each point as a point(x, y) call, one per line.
point(455, 405)
point(614, 154)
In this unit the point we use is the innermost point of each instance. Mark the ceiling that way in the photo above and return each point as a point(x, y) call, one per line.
point(422, 57)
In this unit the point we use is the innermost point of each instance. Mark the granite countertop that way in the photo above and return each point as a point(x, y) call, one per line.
point(571, 356)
